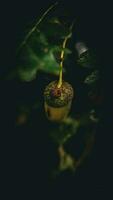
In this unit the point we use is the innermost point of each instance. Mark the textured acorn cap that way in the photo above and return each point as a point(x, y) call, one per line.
point(58, 97)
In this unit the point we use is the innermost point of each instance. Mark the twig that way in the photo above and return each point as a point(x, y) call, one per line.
point(36, 25)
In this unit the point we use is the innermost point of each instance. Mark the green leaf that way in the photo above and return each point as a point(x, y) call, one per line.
point(41, 51)
point(36, 56)
point(54, 30)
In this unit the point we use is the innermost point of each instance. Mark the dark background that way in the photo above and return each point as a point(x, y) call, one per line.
point(20, 159)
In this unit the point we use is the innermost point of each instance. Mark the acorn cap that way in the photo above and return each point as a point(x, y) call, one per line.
point(58, 97)
point(81, 48)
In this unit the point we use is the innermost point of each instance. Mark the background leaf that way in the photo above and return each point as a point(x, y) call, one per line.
point(42, 50)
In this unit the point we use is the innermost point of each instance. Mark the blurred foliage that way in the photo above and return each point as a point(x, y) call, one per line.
point(41, 52)
point(65, 130)
point(92, 78)
point(66, 160)
point(87, 60)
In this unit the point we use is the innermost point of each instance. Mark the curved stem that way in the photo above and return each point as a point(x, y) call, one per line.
point(62, 55)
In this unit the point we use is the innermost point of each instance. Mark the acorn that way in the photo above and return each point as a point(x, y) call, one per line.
point(57, 101)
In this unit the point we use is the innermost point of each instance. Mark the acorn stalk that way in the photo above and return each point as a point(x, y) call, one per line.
point(62, 59)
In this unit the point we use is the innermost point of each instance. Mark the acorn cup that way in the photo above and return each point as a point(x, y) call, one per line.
point(81, 48)
point(57, 101)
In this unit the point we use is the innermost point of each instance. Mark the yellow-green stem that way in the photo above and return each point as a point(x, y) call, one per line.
point(62, 59)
